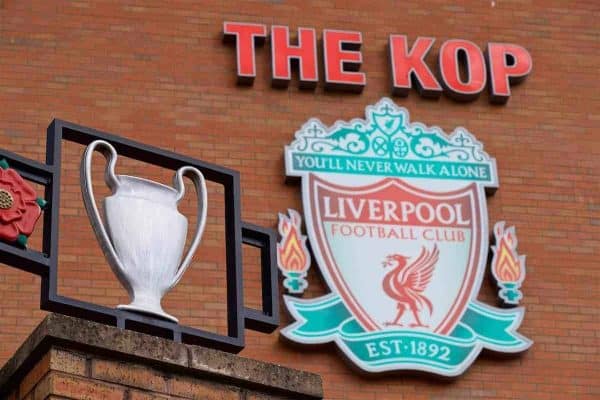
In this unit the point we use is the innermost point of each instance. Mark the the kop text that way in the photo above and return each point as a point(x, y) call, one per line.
point(463, 70)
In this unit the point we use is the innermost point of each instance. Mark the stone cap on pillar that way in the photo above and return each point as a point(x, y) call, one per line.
point(97, 346)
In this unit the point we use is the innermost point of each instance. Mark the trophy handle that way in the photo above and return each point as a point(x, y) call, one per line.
point(200, 184)
point(112, 181)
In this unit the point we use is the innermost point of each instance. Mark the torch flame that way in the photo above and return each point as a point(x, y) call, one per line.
point(292, 254)
point(507, 265)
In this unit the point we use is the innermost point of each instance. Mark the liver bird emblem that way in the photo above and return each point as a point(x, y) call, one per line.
point(406, 282)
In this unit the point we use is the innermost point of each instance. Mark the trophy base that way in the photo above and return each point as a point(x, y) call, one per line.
point(149, 312)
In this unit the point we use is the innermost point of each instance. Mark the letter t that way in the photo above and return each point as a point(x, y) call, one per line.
point(245, 35)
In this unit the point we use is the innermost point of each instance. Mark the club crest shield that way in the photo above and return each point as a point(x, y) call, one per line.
point(396, 216)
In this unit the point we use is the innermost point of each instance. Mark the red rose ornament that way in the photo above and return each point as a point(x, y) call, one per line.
point(20, 208)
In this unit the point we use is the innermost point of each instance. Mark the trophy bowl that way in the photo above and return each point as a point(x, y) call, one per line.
point(143, 234)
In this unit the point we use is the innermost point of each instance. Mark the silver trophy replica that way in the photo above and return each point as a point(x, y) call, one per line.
point(145, 235)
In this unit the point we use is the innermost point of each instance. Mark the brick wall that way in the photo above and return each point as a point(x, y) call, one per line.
point(67, 374)
point(69, 358)
point(158, 73)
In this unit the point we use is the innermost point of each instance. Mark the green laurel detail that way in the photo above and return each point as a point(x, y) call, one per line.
point(41, 202)
point(22, 240)
point(388, 134)
point(359, 139)
point(3, 164)
point(387, 144)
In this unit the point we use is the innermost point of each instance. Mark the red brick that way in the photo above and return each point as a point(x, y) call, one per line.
point(158, 73)
point(196, 389)
point(34, 376)
point(130, 374)
point(77, 388)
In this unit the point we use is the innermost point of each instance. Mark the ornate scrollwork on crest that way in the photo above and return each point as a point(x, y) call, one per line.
point(388, 134)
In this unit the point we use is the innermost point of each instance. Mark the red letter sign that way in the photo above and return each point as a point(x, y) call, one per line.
point(450, 53)
point(406, 64)
point(282, 53)
point(342, 60)
point(508, 63)
point(245, 35)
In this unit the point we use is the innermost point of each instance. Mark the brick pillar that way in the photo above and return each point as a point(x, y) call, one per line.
point(68, 358)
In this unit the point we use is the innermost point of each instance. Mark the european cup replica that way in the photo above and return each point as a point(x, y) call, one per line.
point(145, 235)
point(396, 217)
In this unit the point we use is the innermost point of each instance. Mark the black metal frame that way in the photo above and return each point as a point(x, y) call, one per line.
point(45, 263)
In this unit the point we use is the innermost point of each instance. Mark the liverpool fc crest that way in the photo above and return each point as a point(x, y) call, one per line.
point(395, 214)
